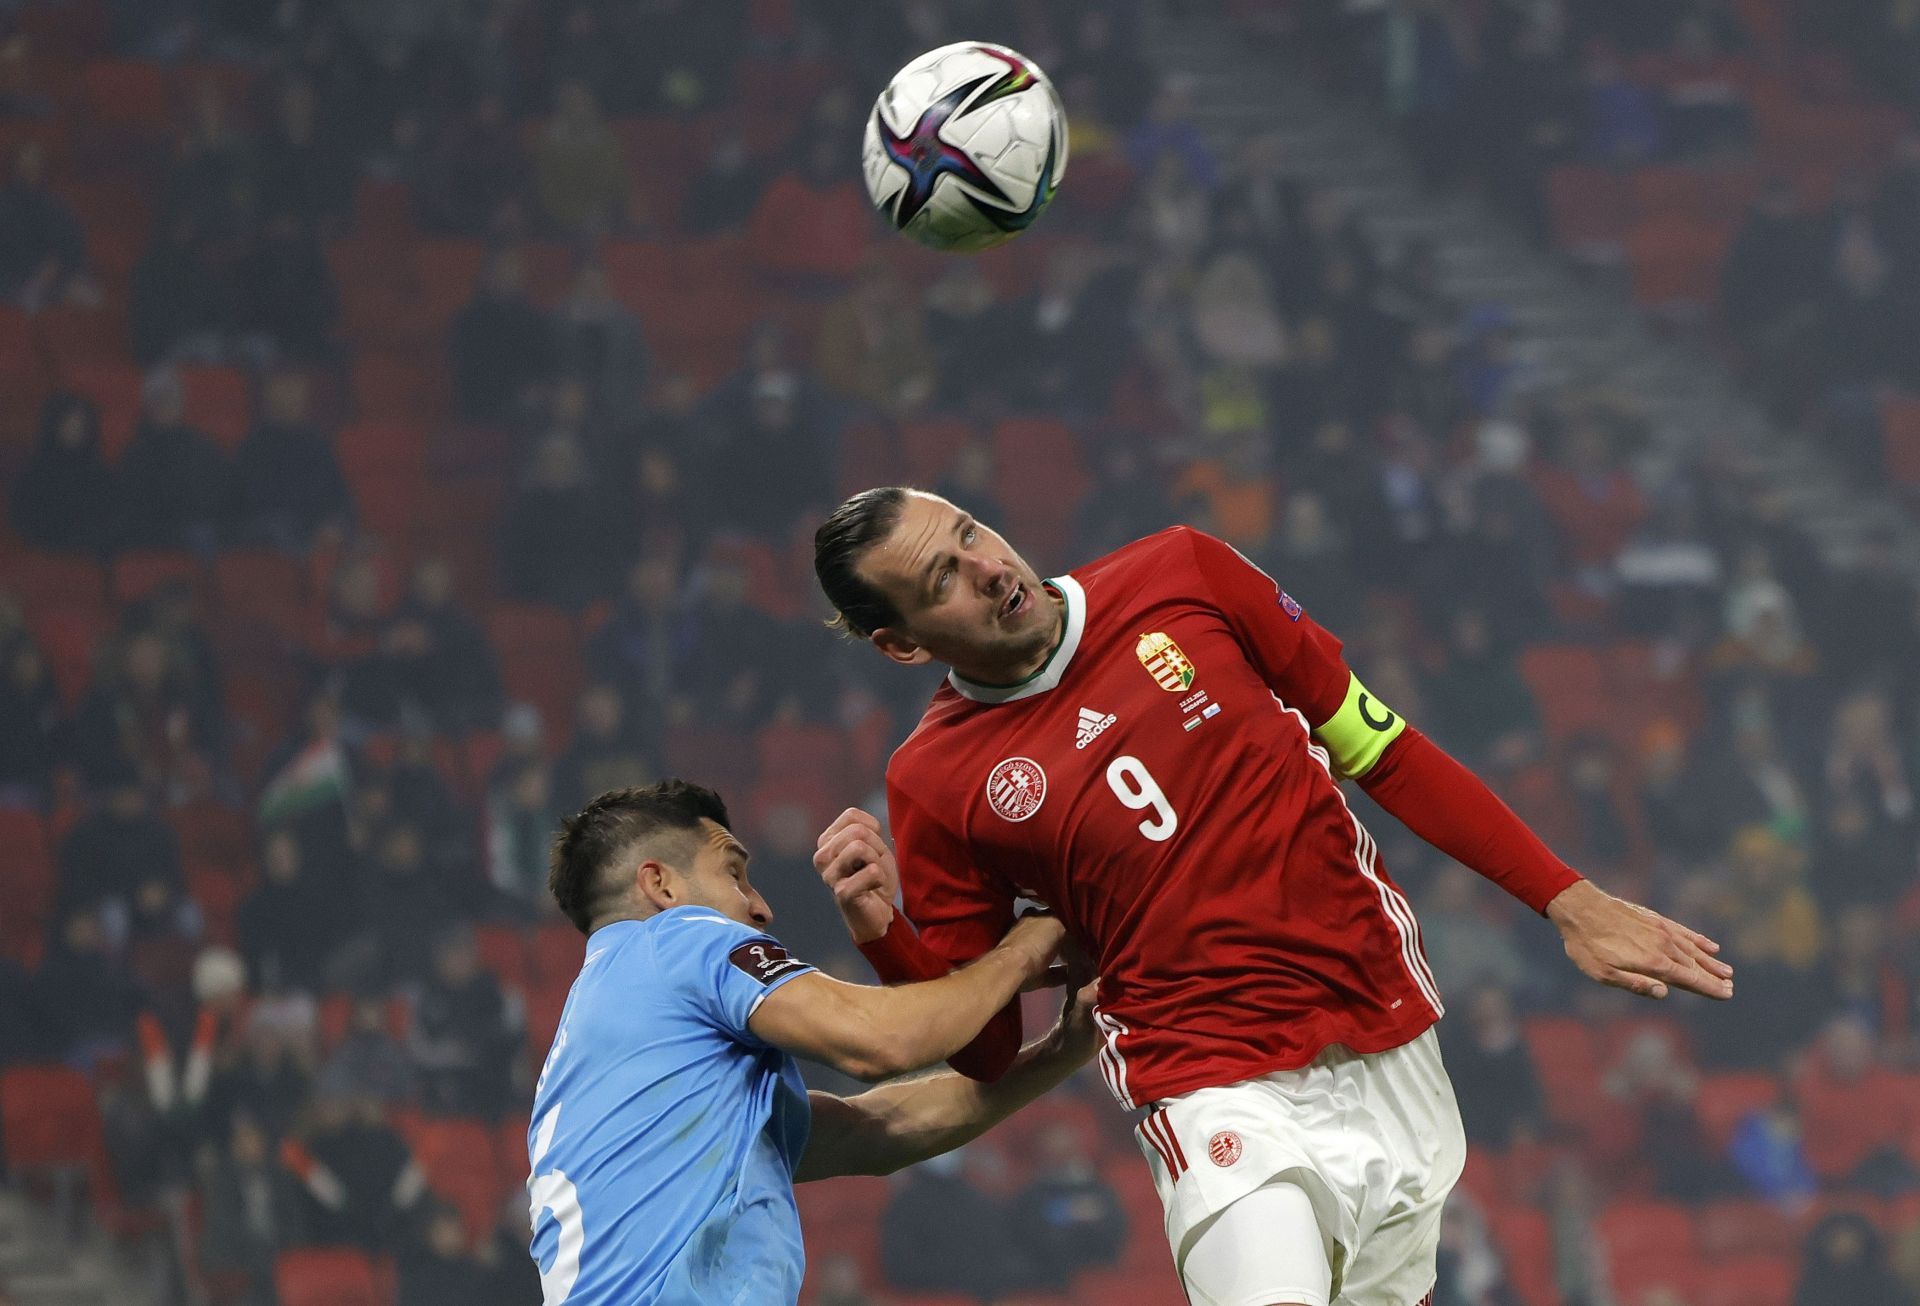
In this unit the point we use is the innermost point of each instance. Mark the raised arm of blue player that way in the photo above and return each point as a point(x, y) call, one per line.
point(876, 1033)
point(901, 1124)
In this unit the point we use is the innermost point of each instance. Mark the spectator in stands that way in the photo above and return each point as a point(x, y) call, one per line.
point(56, 502)
point(1069, 1218)
point(934, 1227)
point(1768, 1154)
point(502, 348)
point(115, 845)
point(142, 711)
point(1866, 772)
point(775, 467)
point(43, 252)
point(522, 813)
point(1622, 124)
point(465, 1032)
point(553, 536)
point(371, 1062)
point(288, 487)
point(476, 178)
point(291, 923)
point(1467, 942)
point(272, 1077)
point(438, 655)
point(1668, 787)
point(1653, 1080)
point(1845, 1262)
point(1775, 917)
point(359, 1180)
point(403, 902)
point(598, 341)
point(172, 479)
point(304, 172)
point(1770, 284)
point(872, 343)
point(1573, 1202)
point(1852, 1102)
point(24, 1027)
point(352, 624)
point(813, 222)
point(291, 304)
point(841, 1282)
point(1592, 497)
point(88, 1000)
point(608, 750)
point(1493, 1072)
point(1168, 130)
point(162, 941)
point(724, 193)
point(307, 787)
point(1482, 708)
point(579, 167)
point(183, 298)
point(249, 1212)
point(436, 1267)
point(32, 735)
point(639, 647)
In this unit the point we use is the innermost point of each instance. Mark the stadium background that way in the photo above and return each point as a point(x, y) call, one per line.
point(414, 414)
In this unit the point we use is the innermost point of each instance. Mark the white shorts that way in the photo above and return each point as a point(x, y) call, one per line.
point(1373, 1140)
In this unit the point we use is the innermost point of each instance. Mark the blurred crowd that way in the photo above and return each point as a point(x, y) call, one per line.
point(1649, 661)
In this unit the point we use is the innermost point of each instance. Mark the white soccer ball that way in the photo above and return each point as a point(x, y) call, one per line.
point(965, 146)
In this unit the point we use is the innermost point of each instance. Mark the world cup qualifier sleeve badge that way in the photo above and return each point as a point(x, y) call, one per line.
point(1171, 669)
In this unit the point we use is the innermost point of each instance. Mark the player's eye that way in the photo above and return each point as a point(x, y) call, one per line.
point(966, 536)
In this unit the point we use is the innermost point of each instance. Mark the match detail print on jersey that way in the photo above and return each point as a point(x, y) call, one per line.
point(1171, 669)
point(1016, 788)
point(1359, 732)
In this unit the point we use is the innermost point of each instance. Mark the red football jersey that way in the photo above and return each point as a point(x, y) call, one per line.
point(1156, 784)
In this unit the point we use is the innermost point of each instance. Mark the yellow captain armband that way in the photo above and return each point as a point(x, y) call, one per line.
point(1359, 732)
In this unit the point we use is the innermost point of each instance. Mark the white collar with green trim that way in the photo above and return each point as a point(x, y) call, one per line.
point(1052, 669)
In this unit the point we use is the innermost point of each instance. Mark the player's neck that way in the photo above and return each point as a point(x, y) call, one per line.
point(1006, 675)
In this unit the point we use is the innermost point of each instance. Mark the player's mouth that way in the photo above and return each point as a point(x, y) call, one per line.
point(1018, 600)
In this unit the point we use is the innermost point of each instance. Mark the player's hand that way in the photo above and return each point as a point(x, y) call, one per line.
point(1076, 1035)
point(1634, 948)
point(854, 860)
point(1036, 939)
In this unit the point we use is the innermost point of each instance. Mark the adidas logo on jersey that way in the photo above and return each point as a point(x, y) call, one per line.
point(1091, 726)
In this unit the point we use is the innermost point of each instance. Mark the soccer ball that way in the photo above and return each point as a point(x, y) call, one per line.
point(965, 146)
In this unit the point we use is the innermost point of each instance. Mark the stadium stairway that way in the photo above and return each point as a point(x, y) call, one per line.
point(1569, 329)
point(41, 1266)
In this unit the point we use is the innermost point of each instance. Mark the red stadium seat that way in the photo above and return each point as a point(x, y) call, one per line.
point(556, 954)
point(503, 951)
point(458, 1158)
point(1740, 1228)
point(399, 388)
point(127, 94)
point(842, 1217)
point(218, 892)
point(113, 385)
point(1676, 261)
point(1569, 681)
point(929, 446)
point(263, 585)
point(510, 1144)
point(211, 832)
point(539, 651)
point(217, 402)
point(1646, 1241)
point(1522, 1235)
point(49, 1121)
point(69, 638)
point(135, 576)
point(1900, 429)
point(327, 1276)
point(31, 878)
point(1759, 1280)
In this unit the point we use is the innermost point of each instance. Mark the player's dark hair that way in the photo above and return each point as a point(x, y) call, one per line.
point(842, 540)
point(606, 829)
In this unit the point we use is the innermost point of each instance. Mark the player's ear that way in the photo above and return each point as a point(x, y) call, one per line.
point(656, 882)
point(898, 647)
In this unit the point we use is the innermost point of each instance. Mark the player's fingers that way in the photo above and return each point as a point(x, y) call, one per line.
point(851, 847)
point(1634, 982)
point(867, 880)
point(1703, 959)
point(1693, 973)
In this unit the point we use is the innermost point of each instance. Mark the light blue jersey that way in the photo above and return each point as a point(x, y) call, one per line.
point(664, 1133)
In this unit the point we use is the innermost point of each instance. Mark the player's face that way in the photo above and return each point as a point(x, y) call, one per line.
point(965, 597)
point(717, 878)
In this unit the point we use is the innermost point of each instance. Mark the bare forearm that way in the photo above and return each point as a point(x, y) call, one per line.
point(903, 1123)
point(929, 1022)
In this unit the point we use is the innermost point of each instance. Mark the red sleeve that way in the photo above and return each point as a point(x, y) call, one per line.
point(1297, 657)
point(960, 913)
point(1451, 808)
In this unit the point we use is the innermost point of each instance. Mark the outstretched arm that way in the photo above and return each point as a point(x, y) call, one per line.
point(855, 862)
point(903, 1123)
point(1610, 940)
point(875, 1033)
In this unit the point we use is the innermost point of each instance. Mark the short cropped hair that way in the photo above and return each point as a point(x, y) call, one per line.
point(594, 839)
point(842, 540)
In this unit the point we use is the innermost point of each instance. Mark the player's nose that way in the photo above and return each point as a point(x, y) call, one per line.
point(758, 909)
